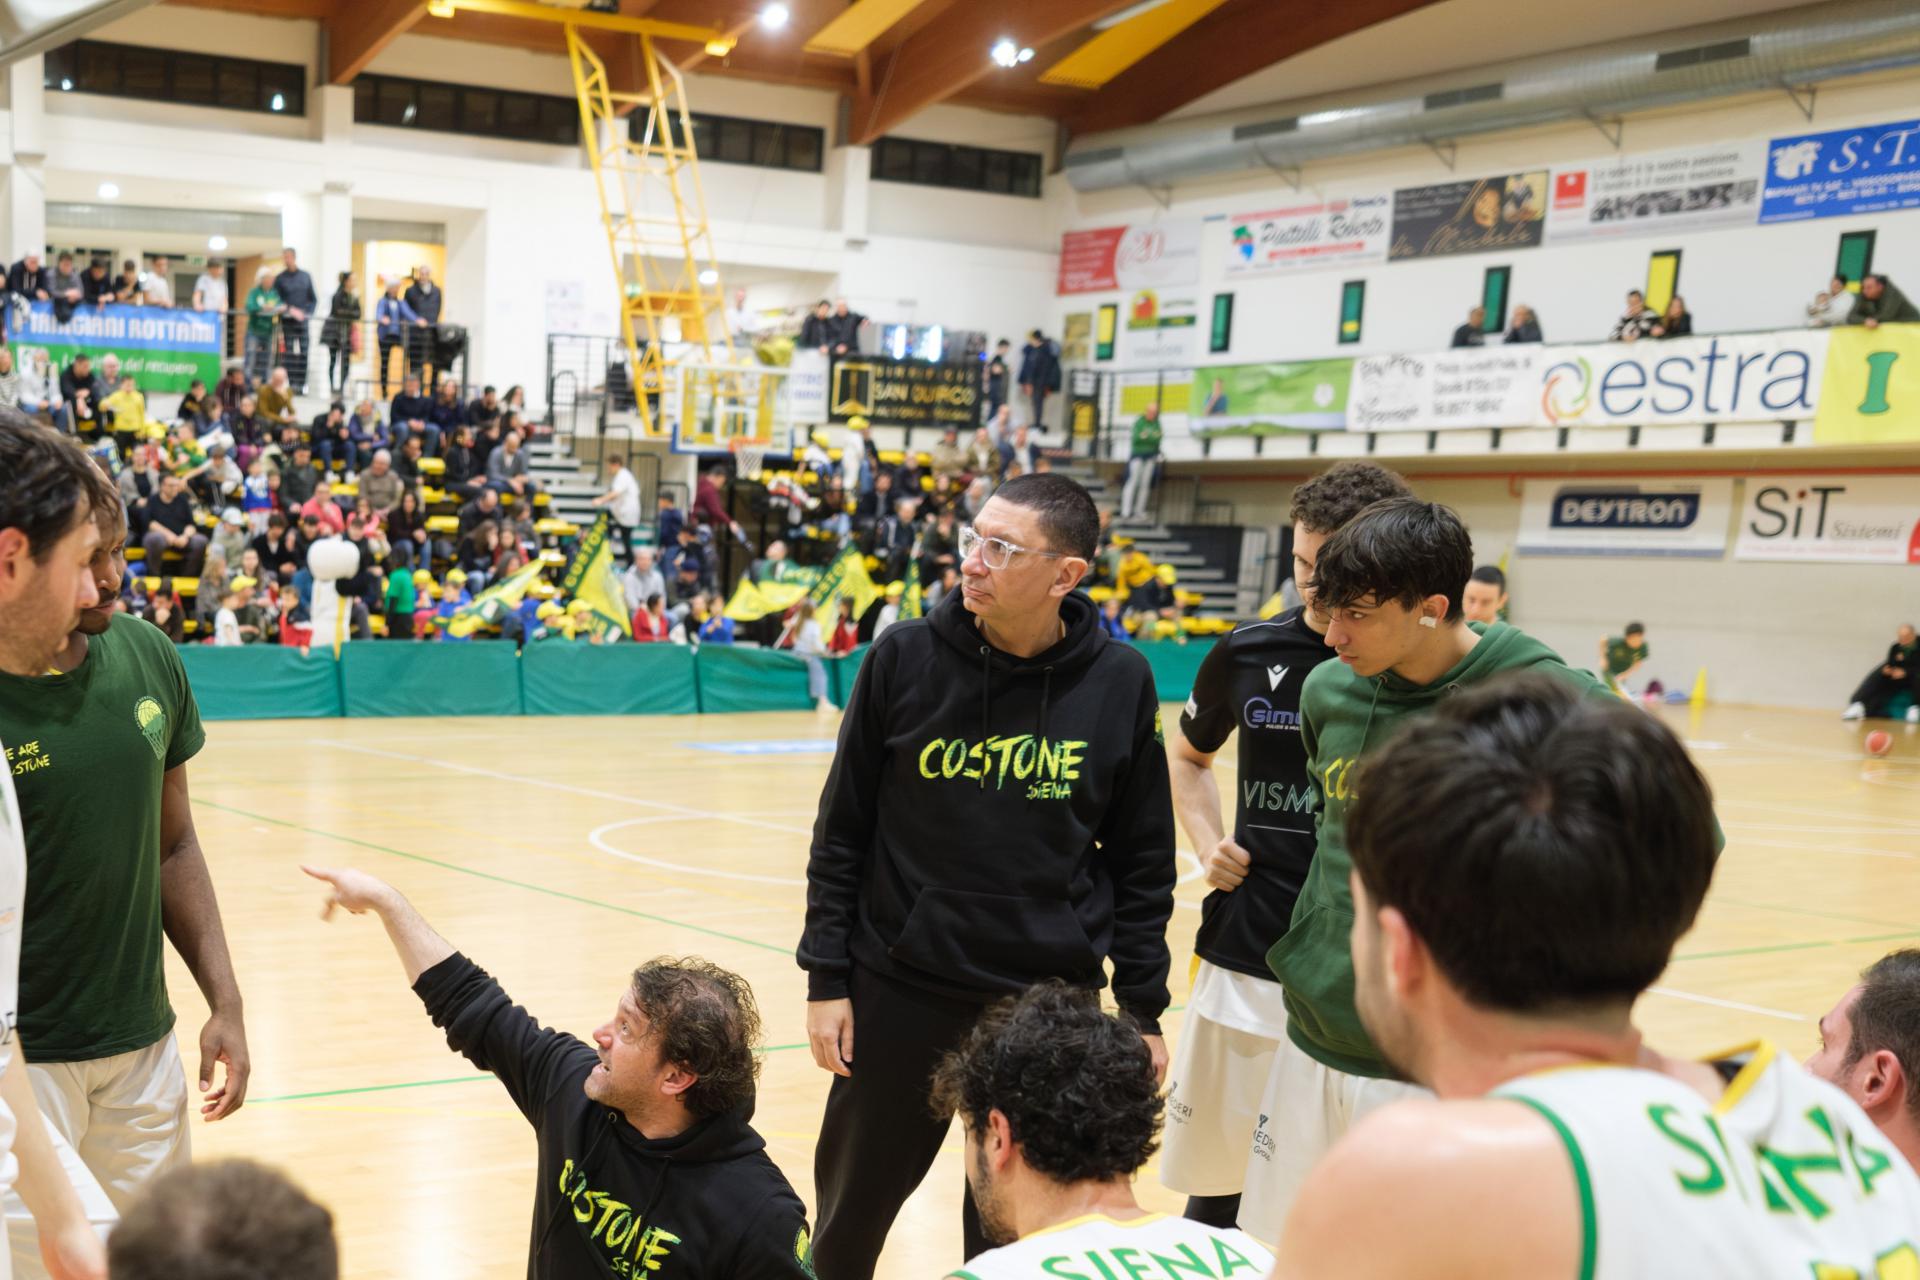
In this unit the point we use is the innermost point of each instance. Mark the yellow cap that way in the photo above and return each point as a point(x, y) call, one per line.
point(549, 610)
point(822, 439)
point(421, 578)
point(543, 590)
point(896, 588)
point(857, 423)
point(456, 575)
point(243, 583)
point(579, 606)
point(1165, 574)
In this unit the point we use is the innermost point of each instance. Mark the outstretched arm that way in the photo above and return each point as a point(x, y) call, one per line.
point(418, 946)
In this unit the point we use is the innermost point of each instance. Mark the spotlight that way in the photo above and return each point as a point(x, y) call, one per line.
point(709, 276)
point(279, 103)
point(109, 191)
point(775, 16)
point(1005, 52)
point(217, 244)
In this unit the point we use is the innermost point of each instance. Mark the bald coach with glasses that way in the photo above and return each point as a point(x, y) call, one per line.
point(998, 813)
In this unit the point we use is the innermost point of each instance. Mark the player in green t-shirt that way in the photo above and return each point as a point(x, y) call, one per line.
point(106, 882)
point(1142, 462)
point(1622, 655)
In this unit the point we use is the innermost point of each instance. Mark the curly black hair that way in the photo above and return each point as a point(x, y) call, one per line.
point(47, 482)
point(225, 1220)
point(1075, 1083)
point(1401, 550)
point(1341, 492)
point(706, 1021)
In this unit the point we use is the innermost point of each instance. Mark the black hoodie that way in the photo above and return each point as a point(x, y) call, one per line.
point(609, 1201)
point(990, 821)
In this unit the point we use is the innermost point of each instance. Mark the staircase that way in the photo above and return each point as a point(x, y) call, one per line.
point(1221, 597)
point(567, 481)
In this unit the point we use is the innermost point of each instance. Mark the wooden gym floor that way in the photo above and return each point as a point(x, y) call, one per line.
point(559, 853)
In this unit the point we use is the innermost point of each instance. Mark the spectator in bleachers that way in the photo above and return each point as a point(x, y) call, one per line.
point(844, 329)
point(642, 578)
point(949, 581)
point(995, 378)
point(622, 500)
point(939, 548)
point(407, 532)
point(688, 548)
point(447, 412)
point(486, 407)
point(331, 443)
point(138, 481)
point(1526, 326)
point(983, 457)
point(195, 405)
point(325, 511)
point(276, 396)
point(1485, 596)
point(69, 288)
point(484, 508)
point(464, 474)
point(651, 625)
point(516, 526)
point(126, 409)
point(876, 502)
point(30, 280)
point(210, 287)
point(411, 413)
point(507, 469)
point(425, 298)
point(126, 288)
point(9, 380)
point(846, 629)
point(336, 335)
point(299, 477)
point(98, 286)
point(894, 535)
point(406, 463)
point(1677, 322)
point(479, 551)
point(263, 320)
point(1829, 306)
point(690, 579)
point(1039, 375)
point(715, 626)
point(299, 301)
point(1637, 321)
point(224, 481)
point(210, 594)
point(367, 434)
point(710, 504)
point(380, 485)
point(816, 331)
point(81, 390)
point(39, 391)
point(163, 609)
point(1474, 332)
point(393, 321)
point(229, 539)
point(1881, 302)
point(1110, 621)
point(1143, 462)
point(171, 527)
point(232, 386)
point(949, 458)
point(156, 286)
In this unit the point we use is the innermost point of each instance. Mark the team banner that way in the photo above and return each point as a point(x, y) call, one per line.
point(1843, 171)
point(1749, 377)
point(591, 577)
point(753, 601)
point(1871, 393)
point(1161, 331)
point(1664, 191)
point(846, 576)
point(164, 350)
point(1265, 399)
point(1479, 216)
point(807, 386)
point(1143, 256)
point(905, 393)
point(1469, 387)
point(1830, 519)
point(495, 603)
point(1625, 518)
point(1335, 232)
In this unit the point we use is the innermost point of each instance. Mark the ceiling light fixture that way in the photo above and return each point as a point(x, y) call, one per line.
point(277, 199)
point(709, 276)
point(775, 16)
point(1006, 53)
point(66, 86)
point(719, 46)
point(279, 103)
point(109, 191)
point(216, 243)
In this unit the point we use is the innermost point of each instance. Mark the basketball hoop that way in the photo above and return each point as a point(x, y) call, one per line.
point(749, 455)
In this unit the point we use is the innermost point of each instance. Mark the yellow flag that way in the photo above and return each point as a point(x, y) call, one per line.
point(591, 577)
point(848, 577)
point(495, 603)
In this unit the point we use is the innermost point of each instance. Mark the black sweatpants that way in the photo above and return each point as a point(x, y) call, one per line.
point(879, 1135)
point(1874, 693)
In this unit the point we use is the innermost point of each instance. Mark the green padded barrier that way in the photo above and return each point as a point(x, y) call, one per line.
point(1174, 665)
point(841, 673)
point(560, 679)
point(734, 679)
point(262, 682)
point(403, 678)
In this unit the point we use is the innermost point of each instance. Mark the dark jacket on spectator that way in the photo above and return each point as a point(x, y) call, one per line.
point(462, 466)
point(1040, 366)
point(472, 515)
point(1528, 331)
point(406, 408)
point(297, 484)
point(447, 414)
point(1891, 307)
point(18, 280)
point(1469, 336)
point(1681, 328)
point(425, 302)
point(816, 332)
point(295, 288)
point(98, 288)
point(71, 383)
point(343, 315)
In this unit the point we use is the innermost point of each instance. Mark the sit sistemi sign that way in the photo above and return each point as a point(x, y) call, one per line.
point(1834, 519)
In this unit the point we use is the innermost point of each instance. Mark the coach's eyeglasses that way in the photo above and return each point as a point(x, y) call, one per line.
point(998, 553)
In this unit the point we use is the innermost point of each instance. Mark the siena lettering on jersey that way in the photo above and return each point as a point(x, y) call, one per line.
point(1123, 1263)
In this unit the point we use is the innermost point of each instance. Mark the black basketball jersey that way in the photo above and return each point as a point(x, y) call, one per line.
point(1251, 682)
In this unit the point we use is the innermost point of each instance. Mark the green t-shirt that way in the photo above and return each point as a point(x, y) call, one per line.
point(1146, 436)
point(1621, 656)
point(90, 750)
point(1344, 717)
point(187, 457)
point(260, 304)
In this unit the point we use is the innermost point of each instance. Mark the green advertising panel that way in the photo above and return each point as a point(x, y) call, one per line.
point(163, 349)
point(1263, 399)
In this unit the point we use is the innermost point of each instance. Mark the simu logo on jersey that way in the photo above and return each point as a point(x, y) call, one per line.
point(1046, 768)
point(631, 1248)
point(153, 726)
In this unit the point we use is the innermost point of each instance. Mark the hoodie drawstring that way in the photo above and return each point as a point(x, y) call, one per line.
point(1046, 698)
point(986, 707)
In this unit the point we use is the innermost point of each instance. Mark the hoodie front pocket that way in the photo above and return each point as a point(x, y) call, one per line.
point(993, 940)
point(1314, 962)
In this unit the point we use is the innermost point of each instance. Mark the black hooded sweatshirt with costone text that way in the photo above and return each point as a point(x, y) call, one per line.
point(991, 821)
point(705, 1204)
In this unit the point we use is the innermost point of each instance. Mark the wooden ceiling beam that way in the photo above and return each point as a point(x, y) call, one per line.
point(360, 29)
point(1229, 44)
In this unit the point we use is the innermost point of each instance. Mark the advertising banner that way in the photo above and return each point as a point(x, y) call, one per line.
point(1750, 377)
point(1871, 392)
point(1143, 256)
point(1830, 519)
point(164, 350)
point(1160, 331)
point(1657, 193)
point(1625, 518)
point(1336, 232)
point(1471, 387)
point(1826, 175)
point(1262, 399)
point(1470, 216)
point(807, 387)
point(905, 393)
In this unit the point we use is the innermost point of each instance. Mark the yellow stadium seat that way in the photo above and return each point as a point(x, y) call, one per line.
point(834, 454)
point(377, 624)
point(432, 466)
point(556, 526)
point(541, 499)
point(347, 489)
point(443, 524)
point(892, 457)
point(553, 555)
point(431, 497)
point(136, 554)
point(926, 484)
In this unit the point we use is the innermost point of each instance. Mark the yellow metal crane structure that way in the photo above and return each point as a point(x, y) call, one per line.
point(655, 213)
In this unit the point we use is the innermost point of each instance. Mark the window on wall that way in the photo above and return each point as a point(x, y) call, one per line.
point(1855, 258)
point(1353, 309)
point(168, 75)
point(401, 103)
point(1493, 297)
point(763, 144)
point(1663, 278)
point(940, 164)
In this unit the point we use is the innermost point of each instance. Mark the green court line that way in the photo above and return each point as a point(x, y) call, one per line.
point(487, 875)
point(1780, 947)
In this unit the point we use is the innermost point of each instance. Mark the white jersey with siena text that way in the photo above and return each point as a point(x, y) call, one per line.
point(1151, 1247)
point(1782, 1177)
